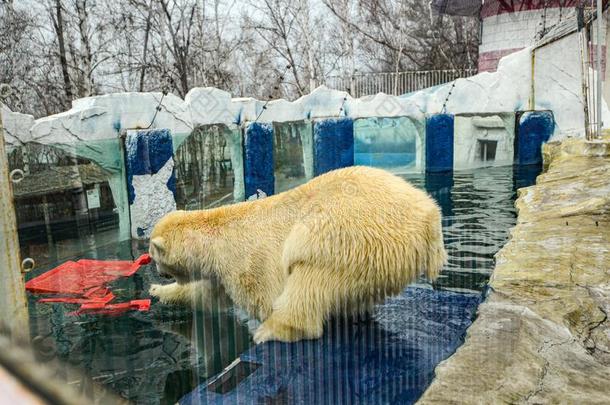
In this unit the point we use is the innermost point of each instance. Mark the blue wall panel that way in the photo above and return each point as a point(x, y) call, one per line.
point(258, 159)
point(534, 129)
point(333, 144)
point(147, 152)
point(439, 143)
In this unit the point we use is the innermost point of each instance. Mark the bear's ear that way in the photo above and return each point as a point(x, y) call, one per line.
point(159, 244)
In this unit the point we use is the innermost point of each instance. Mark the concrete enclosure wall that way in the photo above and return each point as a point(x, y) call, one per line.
point(154, 171)
point(534, 129)
point(483, 140)
point(507, 27)
point(439, 143)
point(258, 159)
point(333, 144)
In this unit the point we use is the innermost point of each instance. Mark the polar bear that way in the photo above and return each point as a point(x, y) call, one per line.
point(336, 245)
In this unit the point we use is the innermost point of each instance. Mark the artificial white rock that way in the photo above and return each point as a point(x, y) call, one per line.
point(249, 108)
point(104, 117)
point(382, 105)
point(210, 105)
point(283, 111)
point(324, 102)
point(16, 127)
point(490, 122)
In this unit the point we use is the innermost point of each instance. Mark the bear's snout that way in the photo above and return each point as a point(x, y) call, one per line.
point(163, 271)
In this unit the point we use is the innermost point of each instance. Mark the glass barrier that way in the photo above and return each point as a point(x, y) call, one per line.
point(69, 210)
point(292, 154)
point(65, 203)
point(389, 143)
point(208, 165)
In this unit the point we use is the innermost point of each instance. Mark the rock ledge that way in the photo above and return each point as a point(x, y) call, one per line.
point(543, 334)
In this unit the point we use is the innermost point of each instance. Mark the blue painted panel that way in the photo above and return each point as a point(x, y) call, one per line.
point(333, 144)
point(439, 143)
point(258, 159)
point(535, 128)
point(147, 152)
point(387, 359)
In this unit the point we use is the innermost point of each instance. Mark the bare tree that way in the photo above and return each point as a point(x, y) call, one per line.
point(58, 25)
point(179, 23)
point(296, 37)
point(147, 28)
point(400, 35)
point(86, 53)
point(14, 25)
point(53, 51)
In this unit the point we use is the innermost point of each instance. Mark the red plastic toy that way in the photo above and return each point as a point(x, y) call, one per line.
point(113, 309)
point(84, 282)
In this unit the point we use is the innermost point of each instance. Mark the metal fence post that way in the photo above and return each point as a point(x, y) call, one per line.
point(598, 64)
point(13, 303)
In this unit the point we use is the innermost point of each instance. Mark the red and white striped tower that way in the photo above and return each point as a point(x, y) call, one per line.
point(510, 25)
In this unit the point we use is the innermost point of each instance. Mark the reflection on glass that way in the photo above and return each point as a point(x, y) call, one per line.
point(64, 203)
point(152, 357)
point(292, 154)
point(205, 176)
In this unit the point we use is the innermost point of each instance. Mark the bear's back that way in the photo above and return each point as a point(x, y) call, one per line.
point(366, 222)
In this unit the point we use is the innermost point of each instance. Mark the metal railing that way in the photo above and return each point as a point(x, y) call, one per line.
point(396, 83)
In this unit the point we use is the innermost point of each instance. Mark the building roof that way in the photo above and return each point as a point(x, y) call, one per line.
point(457, 7)
point(495, 7)
point(59, 179)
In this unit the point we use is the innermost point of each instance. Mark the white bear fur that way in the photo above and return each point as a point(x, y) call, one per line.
point(337, 245)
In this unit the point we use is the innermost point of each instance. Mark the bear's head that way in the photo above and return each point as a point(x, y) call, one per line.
point(174, 247)
point(158, 252)
point(190, 245)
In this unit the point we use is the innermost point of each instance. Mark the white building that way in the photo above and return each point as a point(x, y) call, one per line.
point(511, 25)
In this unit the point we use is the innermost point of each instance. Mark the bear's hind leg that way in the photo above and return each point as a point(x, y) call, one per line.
point(300, 311)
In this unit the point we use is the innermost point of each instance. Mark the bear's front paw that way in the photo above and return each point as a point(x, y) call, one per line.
point(165, 293)
point(155, 290)
point(263, 334)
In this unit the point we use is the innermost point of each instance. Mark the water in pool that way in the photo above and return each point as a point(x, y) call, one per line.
point(160, 356)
